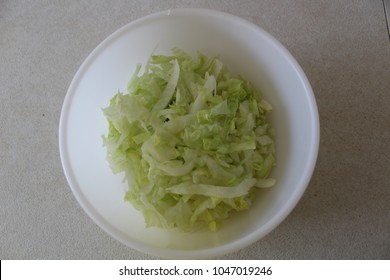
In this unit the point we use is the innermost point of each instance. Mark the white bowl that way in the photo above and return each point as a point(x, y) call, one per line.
point(245, 49)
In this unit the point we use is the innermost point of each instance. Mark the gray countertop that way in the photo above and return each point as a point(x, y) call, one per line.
point(344, 48)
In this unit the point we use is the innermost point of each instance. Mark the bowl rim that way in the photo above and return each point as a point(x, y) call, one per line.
point(205, 252)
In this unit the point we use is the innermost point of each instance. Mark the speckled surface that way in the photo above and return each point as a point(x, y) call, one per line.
point(344, 48)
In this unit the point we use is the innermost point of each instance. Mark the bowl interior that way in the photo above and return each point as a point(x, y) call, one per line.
point(245, 49)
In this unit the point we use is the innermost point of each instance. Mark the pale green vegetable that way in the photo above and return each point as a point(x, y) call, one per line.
point(193, 142)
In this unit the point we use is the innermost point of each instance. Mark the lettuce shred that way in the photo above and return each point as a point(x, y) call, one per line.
point(193, 142)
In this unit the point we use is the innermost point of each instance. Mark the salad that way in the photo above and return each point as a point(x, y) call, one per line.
point(193, 142)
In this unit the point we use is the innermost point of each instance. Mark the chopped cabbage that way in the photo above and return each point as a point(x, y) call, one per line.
point(193, 142)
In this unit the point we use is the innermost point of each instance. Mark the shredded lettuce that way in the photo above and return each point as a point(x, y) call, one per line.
point(193, 142)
